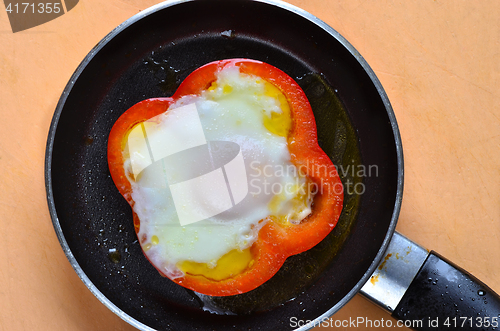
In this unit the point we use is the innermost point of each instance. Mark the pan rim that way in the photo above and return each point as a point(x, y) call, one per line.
point(162, 6)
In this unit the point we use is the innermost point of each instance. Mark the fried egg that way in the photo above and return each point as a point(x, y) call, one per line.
point(207, 174)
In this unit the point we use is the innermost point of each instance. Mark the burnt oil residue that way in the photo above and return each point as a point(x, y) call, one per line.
point(386, 258)
point(337, 138)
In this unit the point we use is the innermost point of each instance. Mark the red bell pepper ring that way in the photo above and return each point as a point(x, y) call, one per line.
point(275, 241)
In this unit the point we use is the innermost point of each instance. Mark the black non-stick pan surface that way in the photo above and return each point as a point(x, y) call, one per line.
point(149, 56)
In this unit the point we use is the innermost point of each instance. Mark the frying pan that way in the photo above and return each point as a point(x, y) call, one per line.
point(148, 56)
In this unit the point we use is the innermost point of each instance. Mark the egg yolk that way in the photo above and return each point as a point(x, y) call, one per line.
point(277, 123)
point(229, 265)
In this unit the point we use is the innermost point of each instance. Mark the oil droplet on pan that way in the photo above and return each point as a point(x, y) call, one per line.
point(114, 255)
point(88, 141)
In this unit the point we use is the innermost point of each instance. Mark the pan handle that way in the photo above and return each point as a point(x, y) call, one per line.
point(428, 292)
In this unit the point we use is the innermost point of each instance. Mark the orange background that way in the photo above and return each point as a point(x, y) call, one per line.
point(439, 62)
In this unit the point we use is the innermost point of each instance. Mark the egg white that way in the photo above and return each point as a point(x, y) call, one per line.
point(232, 111)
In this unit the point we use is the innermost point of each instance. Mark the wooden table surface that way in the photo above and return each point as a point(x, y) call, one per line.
point(439, 62)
